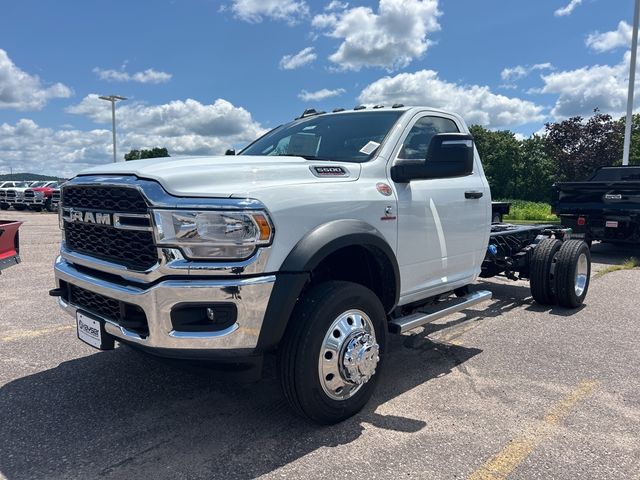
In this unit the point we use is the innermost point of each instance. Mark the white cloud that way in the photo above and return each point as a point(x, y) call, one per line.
point(583, 89)
point(175, 119)
point(519, 136)
point(336, 5)
point(320, 94)
point(147, 76)
point(27, 147)
point(519, 71)
point(603, 42)
point(568, 9)
point(477, 104)
point(303, 57)
point(390, 38)
point(254, 11)
point(21, 91)
point(184, 127)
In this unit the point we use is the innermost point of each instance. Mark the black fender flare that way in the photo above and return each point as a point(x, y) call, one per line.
point(296, 269)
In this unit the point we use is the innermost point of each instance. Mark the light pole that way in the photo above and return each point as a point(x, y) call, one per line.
point(632, 79)
point(113, 99)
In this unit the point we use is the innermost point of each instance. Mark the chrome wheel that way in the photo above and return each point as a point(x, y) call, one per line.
point(349, 355)
point(582, 271)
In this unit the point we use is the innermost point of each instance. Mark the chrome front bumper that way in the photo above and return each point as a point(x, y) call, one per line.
point(250, 295)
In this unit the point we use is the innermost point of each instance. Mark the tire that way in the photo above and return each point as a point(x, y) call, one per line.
point(303, 371)
point(37, 208)
point(4, 206)
point(19, 207)
point(541, 279)
point(573, 273)
point(48, 205)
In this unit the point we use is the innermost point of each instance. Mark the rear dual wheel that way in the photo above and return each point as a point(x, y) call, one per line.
point(560, 272)
point(543, 271)
point(573, 272)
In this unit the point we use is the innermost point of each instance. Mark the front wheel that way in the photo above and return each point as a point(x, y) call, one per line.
point(330, 358)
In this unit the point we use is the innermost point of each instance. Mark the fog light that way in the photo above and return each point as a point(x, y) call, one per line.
point(197, 317)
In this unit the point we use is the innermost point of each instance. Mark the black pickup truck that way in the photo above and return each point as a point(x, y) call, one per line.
point(605, 207)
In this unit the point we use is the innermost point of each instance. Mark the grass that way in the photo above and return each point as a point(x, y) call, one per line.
point(523, 211)
point(628, 264)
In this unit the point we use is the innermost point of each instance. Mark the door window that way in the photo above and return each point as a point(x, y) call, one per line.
point(416, 143)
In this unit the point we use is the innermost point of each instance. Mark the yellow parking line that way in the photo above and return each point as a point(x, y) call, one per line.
point(505, 462)
point(22, 334)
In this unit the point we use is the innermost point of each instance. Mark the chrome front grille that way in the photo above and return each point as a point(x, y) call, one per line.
point(126, 239)
point(104, 198)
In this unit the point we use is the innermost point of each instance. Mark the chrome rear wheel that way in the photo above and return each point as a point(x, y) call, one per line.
point(582, 273)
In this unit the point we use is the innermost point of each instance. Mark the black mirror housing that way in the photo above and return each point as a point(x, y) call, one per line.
point(449, 155)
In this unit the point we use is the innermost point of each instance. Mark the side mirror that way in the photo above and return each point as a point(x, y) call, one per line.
point(448, 155)
point(230, 151)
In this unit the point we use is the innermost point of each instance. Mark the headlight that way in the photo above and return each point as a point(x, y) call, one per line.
point(213, 234)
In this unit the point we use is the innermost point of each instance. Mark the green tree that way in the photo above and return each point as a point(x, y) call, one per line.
point(634, 150)
point(155, 152)
point(501, 154)
point(536, 172)
point(578, 147)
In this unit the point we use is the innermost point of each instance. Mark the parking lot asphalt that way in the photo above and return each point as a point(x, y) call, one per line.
point(509, 389)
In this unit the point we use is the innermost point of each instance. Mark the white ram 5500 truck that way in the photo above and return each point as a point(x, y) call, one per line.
point(313, 243)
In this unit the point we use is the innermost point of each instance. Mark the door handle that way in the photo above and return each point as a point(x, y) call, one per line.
point(473, 194)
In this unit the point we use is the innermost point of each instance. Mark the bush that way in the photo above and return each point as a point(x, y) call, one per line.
point(530, 211)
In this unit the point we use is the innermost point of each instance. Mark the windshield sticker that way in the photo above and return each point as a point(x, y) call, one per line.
point(369, 148)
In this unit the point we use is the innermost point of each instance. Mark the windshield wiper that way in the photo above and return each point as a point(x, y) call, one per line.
point(306, 157)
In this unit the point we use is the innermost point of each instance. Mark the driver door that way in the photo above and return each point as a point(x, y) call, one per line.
point(442, 233)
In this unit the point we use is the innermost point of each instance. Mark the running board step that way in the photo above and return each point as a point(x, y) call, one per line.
point(435, 312)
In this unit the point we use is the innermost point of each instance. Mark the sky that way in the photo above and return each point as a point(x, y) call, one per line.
point(201, 76)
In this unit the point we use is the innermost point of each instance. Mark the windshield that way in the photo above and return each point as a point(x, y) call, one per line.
point(37, 184)
point(348, 137)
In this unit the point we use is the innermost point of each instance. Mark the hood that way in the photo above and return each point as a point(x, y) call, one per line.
point(227, 176)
